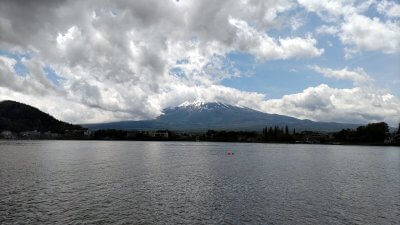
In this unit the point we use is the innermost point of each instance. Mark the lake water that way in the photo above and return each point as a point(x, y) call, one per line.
point(89, 182)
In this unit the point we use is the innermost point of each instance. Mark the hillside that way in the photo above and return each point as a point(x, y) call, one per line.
point(18, 117)
point(201, 116)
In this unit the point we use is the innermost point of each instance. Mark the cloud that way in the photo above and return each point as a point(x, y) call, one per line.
point(324, 103)
point(363, 33)
point(296, 23)
point(324, 29)
point(357, 31)
point(358, 76)
point(127, 60)
point(329, 10)
point(266, 48)
point(35, 82)
point(388, 8)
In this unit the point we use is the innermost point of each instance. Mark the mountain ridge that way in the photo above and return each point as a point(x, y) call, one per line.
point(201, 116)
point(18, 117)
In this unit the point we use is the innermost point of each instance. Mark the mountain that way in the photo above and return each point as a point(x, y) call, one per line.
point(18, 117)
point(201, 116)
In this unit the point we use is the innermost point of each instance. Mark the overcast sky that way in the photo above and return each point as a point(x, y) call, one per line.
point(108, 60)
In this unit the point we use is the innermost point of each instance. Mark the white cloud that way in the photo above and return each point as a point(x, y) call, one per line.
point(357, 31)
point(329, 10)
point(323, 103)
point(389, 8)
point(333, 10)
point(266, 47)
point(363, 33)
point(358, 76)
point(324, 29)
point(296, 23)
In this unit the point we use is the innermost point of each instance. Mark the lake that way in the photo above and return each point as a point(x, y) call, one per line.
point(101, 182)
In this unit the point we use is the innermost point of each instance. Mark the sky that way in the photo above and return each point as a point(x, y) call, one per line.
point(109, 60)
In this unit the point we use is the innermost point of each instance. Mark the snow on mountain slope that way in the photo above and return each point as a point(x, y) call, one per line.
point(200, 105)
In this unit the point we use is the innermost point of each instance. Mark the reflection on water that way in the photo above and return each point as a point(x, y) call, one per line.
point(48, 182)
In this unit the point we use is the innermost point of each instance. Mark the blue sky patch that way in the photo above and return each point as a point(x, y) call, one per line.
point(52, 75)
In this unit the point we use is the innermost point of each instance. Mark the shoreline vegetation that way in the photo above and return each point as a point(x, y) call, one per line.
point(371, 134)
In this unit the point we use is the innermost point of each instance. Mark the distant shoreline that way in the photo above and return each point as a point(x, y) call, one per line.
point(206, 141)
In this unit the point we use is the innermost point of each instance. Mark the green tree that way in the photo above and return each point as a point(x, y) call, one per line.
point(371, 133)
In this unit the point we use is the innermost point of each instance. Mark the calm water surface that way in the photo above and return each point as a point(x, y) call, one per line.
point(85, 182)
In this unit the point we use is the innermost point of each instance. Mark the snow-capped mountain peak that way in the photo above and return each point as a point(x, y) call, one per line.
point(201, 105)
point(196, 103)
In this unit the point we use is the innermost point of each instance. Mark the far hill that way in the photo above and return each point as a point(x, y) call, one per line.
point(201, 116)
point(18, 117)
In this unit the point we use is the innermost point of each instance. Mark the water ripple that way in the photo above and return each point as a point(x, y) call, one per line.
point(72, 182)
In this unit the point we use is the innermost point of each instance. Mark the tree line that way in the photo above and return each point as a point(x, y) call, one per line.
point(374, 133)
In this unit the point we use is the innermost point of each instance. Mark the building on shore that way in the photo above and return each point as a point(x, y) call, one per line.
point(50, 135)
point(393, 139)
point(158, 134)
point(88, 133)
point(312, 137)
point(34, 134)
point(6, 134)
